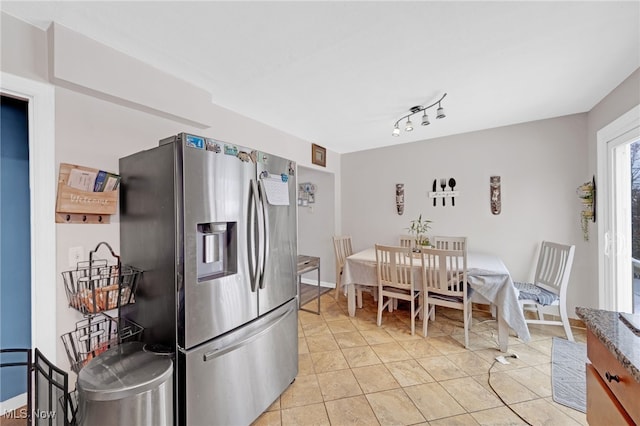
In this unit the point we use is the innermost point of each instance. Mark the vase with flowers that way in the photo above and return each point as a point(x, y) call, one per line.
point(419, 227)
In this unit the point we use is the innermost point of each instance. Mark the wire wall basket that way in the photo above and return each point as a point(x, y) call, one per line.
point(100, 285)
point(95, 335)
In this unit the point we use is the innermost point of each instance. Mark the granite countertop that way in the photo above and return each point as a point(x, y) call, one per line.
point(623, 343)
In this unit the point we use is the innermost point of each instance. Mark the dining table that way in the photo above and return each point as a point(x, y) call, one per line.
point(487, 276)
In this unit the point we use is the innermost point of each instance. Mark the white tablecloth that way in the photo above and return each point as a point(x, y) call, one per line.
point(486, 274)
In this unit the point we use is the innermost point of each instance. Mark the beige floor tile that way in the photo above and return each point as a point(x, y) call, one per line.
point(360, 356)
point(433, 401)
point(471, 394)
point(275, 406)
point(543, 346)
point(338, 384)
point(303, 391)
point(307, 317)
point(305, 365)
point(509, 389)
point(420, 348)
point(469, 362)
point(350, 340)
point(316, 329)
point(541, 412)
point(335, 314)
point(341, 326)
point(328, 361)
point(321, 343)
point(375, 378)
point(533, 379)
point(499, 416)
point(476, 341)
point(446, 344)
point(354, 411)
point(576, 415)
point(302, 345)
point(364, 324)
point(409, 373)
point(377, 336)
point(441, 368)
point(529, 355)
point(391, 352)
point(461, 420)
point(268, 418)
point(402, 332)
point(393, 407)
point(490, 355)
point(310, 415)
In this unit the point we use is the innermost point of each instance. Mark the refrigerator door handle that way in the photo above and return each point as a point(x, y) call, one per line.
point(265, 329)
point(252, 255)
point(266, 233)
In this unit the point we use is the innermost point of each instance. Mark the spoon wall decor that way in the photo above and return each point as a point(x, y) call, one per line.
point(452, 185)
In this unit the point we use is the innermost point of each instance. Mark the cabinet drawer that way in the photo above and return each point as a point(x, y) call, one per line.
point(602, 406)
point(626, 390)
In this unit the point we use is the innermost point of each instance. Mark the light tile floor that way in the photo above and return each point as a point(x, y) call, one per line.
point(352, 372)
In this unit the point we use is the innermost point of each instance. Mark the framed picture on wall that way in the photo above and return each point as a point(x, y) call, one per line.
point(318, 155)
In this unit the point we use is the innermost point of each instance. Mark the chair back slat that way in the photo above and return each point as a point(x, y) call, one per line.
point(394, 266)
point(449, 243)
point(554, 266)
point(342, 248)
point(406, 241)
point(444, 271)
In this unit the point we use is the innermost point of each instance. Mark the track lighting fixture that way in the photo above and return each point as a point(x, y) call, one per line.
point(425, 118)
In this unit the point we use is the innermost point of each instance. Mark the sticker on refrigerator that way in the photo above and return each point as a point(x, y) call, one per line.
point(195, 142)
point(231, 150)
point(212, 145)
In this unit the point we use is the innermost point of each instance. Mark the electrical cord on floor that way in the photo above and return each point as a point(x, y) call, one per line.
point(498, 395)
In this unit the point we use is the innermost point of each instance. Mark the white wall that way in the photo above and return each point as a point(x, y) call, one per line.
point(541, 163)
point(316, 223)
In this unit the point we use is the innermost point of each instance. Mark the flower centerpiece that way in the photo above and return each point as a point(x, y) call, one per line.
point(420, 227)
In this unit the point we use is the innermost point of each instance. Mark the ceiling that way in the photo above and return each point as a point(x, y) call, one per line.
point(340, 74)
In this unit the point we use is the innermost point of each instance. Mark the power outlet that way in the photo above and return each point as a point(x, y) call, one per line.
point(76, 254)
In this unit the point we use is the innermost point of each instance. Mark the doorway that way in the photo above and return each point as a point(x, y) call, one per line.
point(615, 158)
point(316, 220)
point(15, 228)
point(41, 135)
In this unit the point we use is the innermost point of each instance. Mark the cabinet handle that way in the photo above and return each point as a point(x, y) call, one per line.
point(612, 377)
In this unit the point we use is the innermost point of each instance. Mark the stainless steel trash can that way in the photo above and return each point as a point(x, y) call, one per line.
point(126, 385)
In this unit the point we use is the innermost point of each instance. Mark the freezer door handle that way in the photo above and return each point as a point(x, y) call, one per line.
point(265, 233)
point(252, 255)
point(265, 329)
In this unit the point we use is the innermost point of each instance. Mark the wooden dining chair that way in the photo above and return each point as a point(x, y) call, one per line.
point(548, 292)
point(449, 243)
point(394, 267)
point(407, 241)
point(444, 283)
point(343, 249)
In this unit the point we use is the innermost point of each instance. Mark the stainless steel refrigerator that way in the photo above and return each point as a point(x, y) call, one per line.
point(213, 227)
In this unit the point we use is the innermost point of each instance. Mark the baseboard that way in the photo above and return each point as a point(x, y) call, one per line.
point(13, 404)
point(311, 281)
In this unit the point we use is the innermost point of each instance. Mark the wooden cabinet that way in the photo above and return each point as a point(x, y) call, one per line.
point(612, 392)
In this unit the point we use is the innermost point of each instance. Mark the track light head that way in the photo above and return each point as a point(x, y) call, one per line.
point(396, 131)
point(409, 126)
point(440, 112)
point(425, 119)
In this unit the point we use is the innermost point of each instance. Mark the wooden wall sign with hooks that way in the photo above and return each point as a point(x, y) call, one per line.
point(75, 205)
